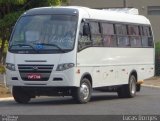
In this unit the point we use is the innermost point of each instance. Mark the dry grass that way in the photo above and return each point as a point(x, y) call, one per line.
point(154, 78)
point(4, 92)
point(155, 81)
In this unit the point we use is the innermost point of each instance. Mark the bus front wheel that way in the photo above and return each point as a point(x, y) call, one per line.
point(20, 96)
point(83, 93)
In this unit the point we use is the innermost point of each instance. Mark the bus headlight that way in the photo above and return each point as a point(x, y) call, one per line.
point(10, 66)
point(64, 66)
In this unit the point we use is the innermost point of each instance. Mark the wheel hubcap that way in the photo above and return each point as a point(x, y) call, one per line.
point(133, 86)
point(84, 91)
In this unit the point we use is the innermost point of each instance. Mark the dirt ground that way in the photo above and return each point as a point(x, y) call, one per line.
point(4, 92)
point(154, 81)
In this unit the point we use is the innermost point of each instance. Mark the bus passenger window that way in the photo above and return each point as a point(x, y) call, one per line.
point(123, 41)
point(134, 36)
point(147, 39)
point(135, 41)
point(109, 39)
point(122, 38)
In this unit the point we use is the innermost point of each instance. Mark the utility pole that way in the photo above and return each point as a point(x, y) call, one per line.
point(124, 3)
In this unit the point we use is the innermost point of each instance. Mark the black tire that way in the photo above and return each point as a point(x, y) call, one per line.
point(83, 93)
point(138, 88)
point(129, 90)
point(20, 96)
point(121, 92)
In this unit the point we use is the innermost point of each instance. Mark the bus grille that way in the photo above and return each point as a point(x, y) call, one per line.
point(43, 70)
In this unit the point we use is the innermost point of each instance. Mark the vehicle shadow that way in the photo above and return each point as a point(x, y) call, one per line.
point(71, 101)
point(61, 100)
point(103, 98)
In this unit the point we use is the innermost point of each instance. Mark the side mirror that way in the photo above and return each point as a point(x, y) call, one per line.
point(86, 29)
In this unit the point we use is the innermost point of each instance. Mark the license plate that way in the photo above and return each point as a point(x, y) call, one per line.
point(34, 76)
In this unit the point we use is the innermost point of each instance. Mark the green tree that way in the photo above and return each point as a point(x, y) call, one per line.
point(8, 16)
point(40, 3)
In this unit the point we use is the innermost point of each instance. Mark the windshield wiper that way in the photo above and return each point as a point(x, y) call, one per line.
point(23, 45)
point(54, 45)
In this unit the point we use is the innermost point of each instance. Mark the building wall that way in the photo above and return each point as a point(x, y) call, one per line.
point(142, 5)
point(96, 3)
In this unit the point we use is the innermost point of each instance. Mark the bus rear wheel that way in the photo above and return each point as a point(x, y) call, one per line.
point(20, 96)
point(129, 90)
point(83, 93)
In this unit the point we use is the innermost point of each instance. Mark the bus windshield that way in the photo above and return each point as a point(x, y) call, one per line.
point(44, 34)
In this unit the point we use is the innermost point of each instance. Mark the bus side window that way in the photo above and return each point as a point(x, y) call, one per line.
point(134, 36)
point(109, 39)
point(122, 37)
point(147, 39)
point(84, 40)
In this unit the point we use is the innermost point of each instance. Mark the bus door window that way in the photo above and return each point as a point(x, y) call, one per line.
point(95, 34)
point(84, 39)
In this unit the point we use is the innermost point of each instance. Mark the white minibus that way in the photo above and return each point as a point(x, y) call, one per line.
point(71, 51)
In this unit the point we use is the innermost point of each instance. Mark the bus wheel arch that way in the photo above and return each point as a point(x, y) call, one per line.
point(87, 76)
point(82, 94)
point(129, 90)
point(138, 86)
point(133, 72)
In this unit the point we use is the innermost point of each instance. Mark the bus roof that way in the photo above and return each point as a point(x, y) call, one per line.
point(88, 13)
point(116, 16)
